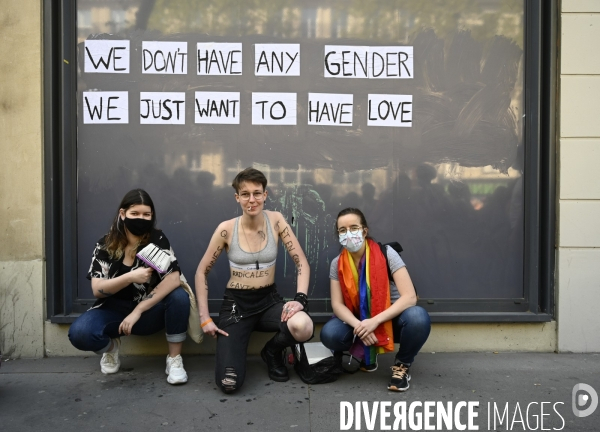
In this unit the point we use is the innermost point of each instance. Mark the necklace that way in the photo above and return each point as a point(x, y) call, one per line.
point(255, 255)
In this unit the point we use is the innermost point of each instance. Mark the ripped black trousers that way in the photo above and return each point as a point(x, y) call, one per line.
point(242, 312)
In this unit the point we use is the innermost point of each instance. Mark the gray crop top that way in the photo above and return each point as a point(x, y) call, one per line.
point(241, 260)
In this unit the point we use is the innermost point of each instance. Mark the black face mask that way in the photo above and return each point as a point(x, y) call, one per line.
point(138, 227)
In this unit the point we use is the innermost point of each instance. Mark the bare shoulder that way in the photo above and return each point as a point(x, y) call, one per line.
point(225, 229)
point(226, 225)
point(276, 218)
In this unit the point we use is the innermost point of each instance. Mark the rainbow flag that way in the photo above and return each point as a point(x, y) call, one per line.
point(367, 294)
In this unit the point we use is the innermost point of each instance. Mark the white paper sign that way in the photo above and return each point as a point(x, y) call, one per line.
point(106, 56)
point(346, 61)
point(389, 110)
point(274, 108)
point(162, 108)
point(387, 62)
point(277, 59)
point(219, 58)
point(105, 107)
point(391, 62)
point(217, 107)
point(164, 57)
point(326, 109)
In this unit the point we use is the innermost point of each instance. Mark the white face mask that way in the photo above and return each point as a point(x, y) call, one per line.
point(352, 242)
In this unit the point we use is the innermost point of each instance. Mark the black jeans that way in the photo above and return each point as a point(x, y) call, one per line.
point(232, 349)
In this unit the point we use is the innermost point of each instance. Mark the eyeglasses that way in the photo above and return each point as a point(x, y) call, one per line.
point(245, 196)
point(354, 229)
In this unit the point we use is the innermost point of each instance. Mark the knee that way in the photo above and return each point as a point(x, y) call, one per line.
point(78, 336)
point(335, 335)
point(418, 317)
point(327, 336)
point(301, 327)
point(229, 383)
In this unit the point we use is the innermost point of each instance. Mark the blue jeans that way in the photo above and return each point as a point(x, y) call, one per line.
point(411, 330)
point(94, 329)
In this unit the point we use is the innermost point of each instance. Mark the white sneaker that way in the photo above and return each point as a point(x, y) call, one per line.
point(110, 363)
point(175, 370)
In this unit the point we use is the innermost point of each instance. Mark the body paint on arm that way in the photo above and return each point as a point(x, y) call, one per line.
point(212, 262)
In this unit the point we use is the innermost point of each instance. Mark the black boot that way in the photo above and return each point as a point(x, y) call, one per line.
point(273, 355)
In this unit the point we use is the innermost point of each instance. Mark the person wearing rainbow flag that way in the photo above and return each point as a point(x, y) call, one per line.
point(371, 311)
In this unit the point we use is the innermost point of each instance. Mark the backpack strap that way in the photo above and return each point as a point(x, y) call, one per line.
point(398, 248)
point(387, 264)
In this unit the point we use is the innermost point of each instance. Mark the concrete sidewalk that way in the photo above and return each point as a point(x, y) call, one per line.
point(70, 394)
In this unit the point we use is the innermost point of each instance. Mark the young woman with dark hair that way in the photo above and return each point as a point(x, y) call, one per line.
point(251, 302)
point(372, 312)
point(132, 298)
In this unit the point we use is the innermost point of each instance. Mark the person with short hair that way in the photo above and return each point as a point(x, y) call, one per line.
point(371, 312)
point(251, 301)
point(133, 299)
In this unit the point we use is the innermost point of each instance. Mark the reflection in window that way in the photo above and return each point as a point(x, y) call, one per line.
point(84, 19)
point(449, 188)
point(84, 23)
point(117, 20)
point(339, 24)
point(309, 22)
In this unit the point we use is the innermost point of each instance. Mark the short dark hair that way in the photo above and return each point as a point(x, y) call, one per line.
point(354, 211)
point(249, 175)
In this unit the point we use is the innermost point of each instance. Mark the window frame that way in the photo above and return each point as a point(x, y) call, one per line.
point(540, 87)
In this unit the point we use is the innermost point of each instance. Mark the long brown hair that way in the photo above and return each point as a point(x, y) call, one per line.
point(116, 239)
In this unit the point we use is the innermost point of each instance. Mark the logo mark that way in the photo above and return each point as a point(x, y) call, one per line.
point(584, 395)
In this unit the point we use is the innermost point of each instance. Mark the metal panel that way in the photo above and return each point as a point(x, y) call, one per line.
point(68, 155)
point(52, 239)
point(548, 192)
point(533, 152)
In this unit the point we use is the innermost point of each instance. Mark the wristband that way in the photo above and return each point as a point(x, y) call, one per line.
point(206, 322)
point(302, 299)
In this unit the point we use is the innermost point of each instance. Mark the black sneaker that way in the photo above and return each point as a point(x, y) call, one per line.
point(400, 378)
